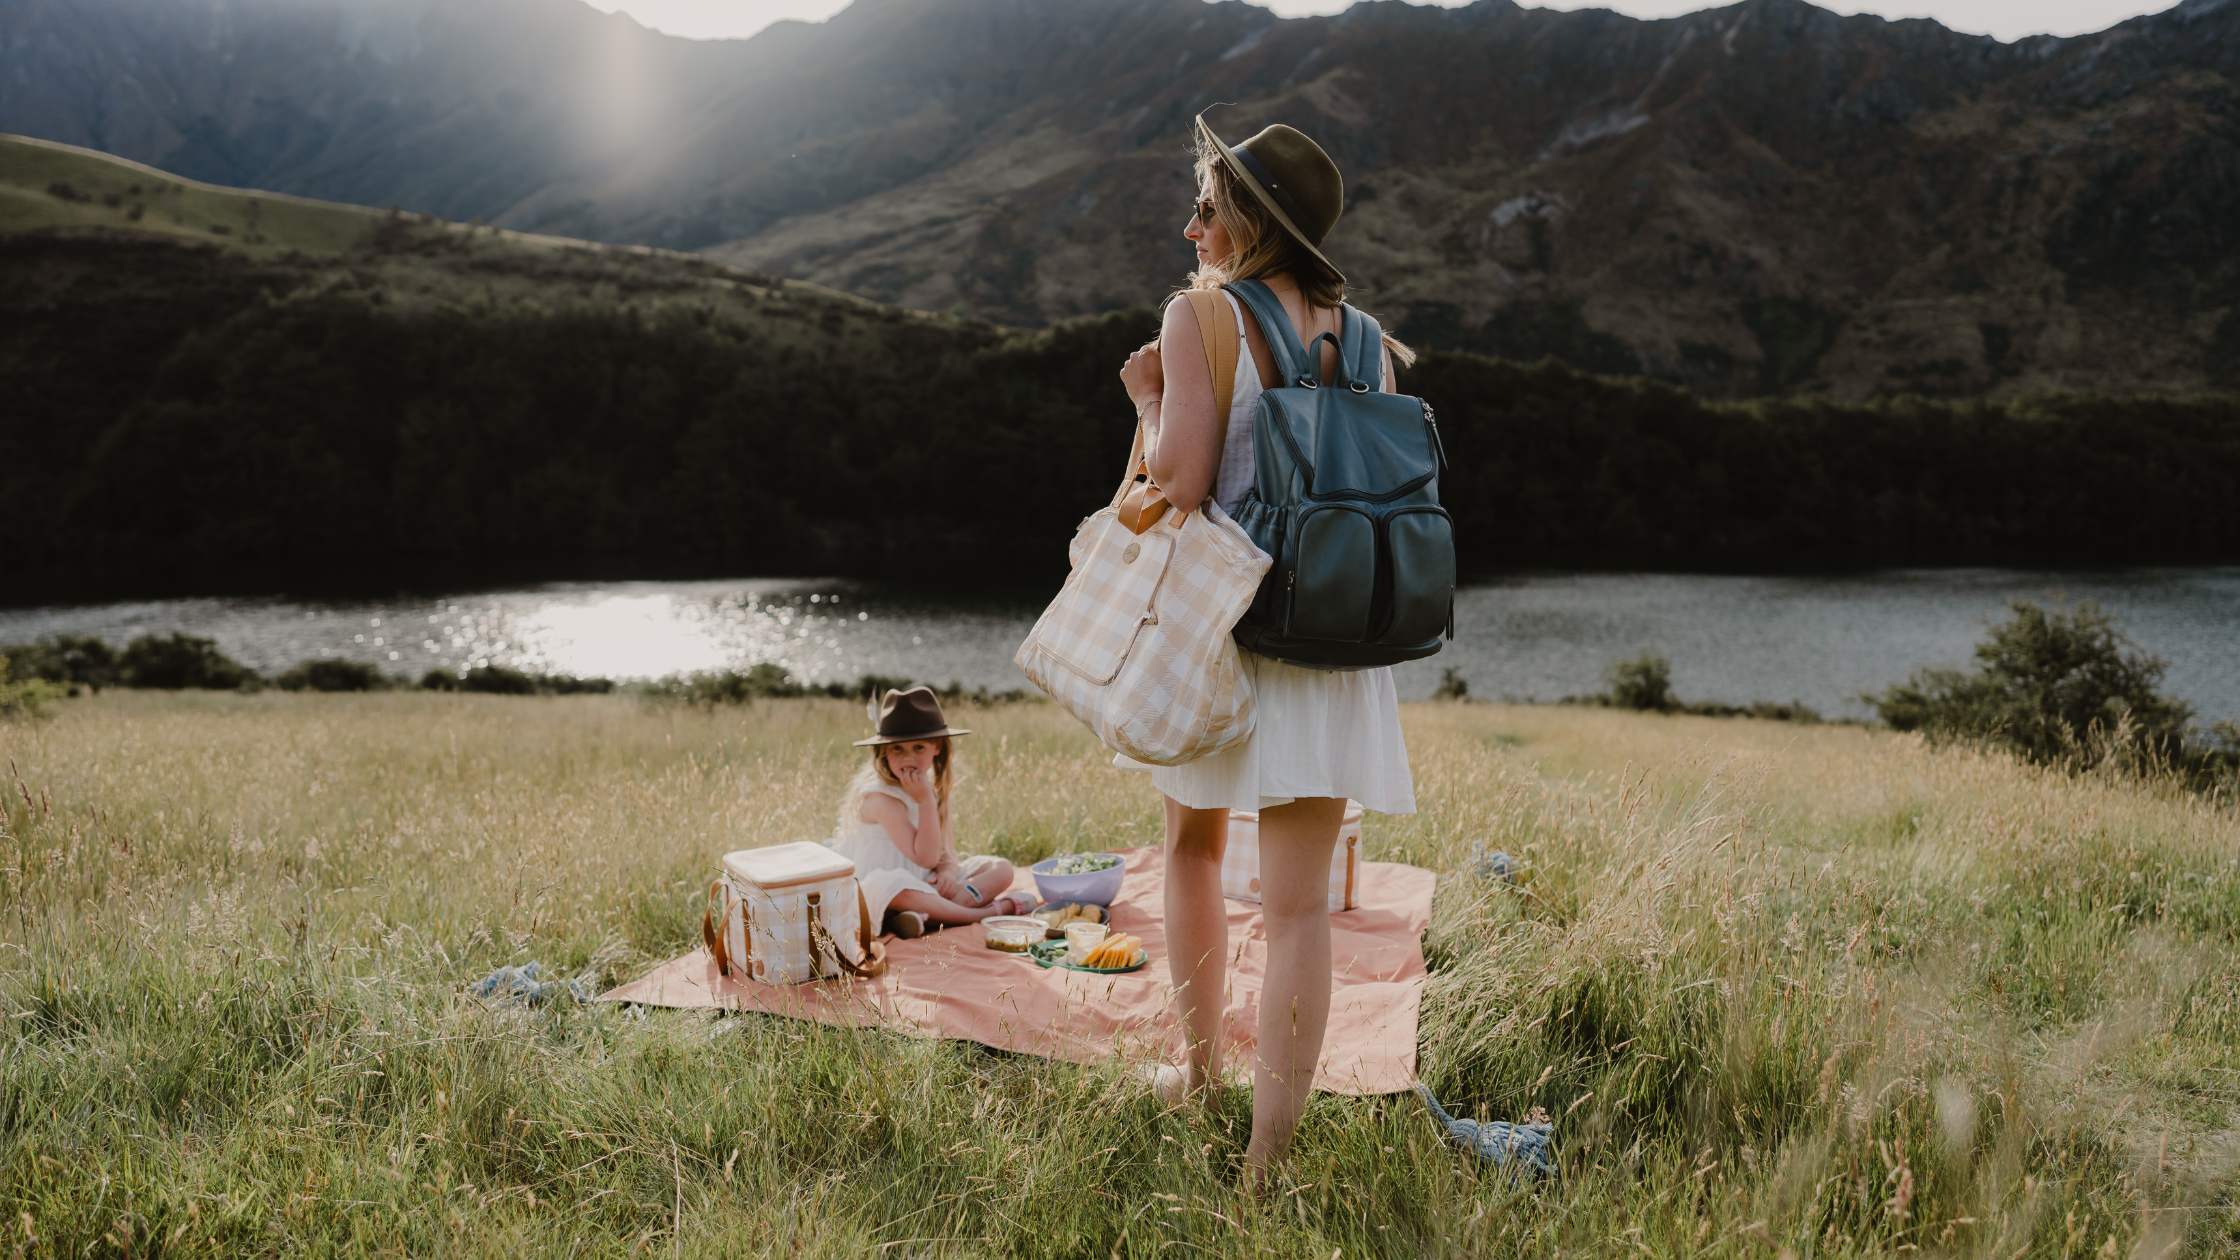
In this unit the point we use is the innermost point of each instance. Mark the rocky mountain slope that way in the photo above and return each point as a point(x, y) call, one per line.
point(1763, 198)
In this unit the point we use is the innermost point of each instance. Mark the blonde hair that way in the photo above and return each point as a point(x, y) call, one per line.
point(1259, 247)
point(876, 771)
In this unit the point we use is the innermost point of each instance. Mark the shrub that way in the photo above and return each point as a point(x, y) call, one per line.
point(2051, 682)
point(68, 659)
point(334, 674)
point(497, 680)
point(1452, 686)
point(27, 698)
point(182, 661)
point(955, 692)
point(1645, 683)
point(729, 686)
point(869, 687)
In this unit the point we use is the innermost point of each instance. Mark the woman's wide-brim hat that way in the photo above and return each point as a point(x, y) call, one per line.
point(1295, 181)
point(906, 715)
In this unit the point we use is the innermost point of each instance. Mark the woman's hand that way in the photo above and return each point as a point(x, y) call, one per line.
point(1144, 375)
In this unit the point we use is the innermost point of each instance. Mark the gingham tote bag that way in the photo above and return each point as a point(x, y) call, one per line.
point(1137, 643)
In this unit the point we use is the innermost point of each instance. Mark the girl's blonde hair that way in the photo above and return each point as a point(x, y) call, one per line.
point(876, 771)
point(1259, 247)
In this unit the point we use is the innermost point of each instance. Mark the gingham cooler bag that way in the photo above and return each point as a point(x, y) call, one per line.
point(1137, 644)
point(789, 914)
point(1240, 860)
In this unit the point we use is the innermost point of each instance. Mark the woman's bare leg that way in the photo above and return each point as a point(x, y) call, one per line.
point(1198, 936)
point(1296, 841)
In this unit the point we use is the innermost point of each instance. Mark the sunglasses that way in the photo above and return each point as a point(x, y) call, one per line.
point(1205, 213)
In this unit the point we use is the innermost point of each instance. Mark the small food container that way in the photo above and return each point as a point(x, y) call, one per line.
point(1083, 937)
point(1012, 933)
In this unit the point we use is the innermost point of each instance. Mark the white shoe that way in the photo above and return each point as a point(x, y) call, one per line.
point(1169, 1084)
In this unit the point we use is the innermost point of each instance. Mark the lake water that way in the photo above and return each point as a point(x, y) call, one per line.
point(1820, 640)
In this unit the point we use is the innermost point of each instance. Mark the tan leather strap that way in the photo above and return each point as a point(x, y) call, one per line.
point(1140, 503)
point(821, 943)
point(1219, 337)
point(713, 921)
point(874, 949)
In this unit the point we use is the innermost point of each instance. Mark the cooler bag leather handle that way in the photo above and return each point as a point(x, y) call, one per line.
point(821, 942)
point(711, 928)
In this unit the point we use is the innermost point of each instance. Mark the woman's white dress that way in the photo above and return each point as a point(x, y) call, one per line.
point(884, 870)
point(1315, 732)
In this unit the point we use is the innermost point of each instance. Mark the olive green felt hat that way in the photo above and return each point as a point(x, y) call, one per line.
point(1294, 179)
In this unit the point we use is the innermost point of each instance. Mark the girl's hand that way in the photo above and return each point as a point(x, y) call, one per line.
point(948, 880)
point(915, 782)
point(1144, 375)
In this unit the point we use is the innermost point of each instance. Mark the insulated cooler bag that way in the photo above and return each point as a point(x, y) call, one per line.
point(789, 914)
point(1240, 862)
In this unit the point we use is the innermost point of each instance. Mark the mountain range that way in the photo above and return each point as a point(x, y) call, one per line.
point(1765, 198)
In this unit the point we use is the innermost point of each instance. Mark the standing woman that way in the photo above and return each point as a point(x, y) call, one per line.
point(1321, 736)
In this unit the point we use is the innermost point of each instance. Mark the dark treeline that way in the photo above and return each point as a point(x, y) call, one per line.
point(179, 406)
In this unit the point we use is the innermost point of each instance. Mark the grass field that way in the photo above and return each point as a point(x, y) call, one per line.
point(1787, 990)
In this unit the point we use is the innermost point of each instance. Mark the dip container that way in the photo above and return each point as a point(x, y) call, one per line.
point(1082, 938)
point(1012, 933)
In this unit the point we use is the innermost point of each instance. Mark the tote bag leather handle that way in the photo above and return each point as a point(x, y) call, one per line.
point(1138, 498)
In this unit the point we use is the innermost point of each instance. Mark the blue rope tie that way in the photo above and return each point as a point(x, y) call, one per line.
point(527, 983)
point(1495, 867)
point(1527, 1151)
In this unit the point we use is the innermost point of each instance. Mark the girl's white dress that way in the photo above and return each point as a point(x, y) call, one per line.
point(1315, 732)
point(884, 870)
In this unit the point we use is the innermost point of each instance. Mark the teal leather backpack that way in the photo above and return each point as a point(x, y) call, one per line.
point(1345, 498)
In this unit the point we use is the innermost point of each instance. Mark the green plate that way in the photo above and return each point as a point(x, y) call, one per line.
point(1053, 954)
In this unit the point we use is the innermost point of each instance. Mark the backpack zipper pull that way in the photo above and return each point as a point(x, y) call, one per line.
point(1438, 447)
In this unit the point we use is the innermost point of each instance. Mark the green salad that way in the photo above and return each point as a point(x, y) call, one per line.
point(1084, 863)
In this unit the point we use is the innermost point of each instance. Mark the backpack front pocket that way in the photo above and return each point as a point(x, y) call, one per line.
point(1333, 578)
point(1419, 548)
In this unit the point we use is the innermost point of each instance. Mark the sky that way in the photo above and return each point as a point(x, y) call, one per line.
point(2006, 19)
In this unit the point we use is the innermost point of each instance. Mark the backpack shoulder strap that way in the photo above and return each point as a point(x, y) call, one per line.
point(1275, 328)
point(1361, 351)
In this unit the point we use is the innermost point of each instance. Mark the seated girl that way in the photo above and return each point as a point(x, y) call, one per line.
point(895, 825)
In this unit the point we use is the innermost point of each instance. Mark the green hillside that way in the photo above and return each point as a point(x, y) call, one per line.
point(344, 388)
point(64, 192)
point(48, 185)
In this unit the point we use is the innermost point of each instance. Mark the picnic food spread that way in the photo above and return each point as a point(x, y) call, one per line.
point(1084, 864)
point(1012, 933)
point(1057, 918)
point(1119, 951)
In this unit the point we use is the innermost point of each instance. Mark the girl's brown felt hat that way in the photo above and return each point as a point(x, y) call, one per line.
point(906, 715)
point(1295, 181)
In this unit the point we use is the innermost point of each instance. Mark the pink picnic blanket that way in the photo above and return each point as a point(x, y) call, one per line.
point(950, 984)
